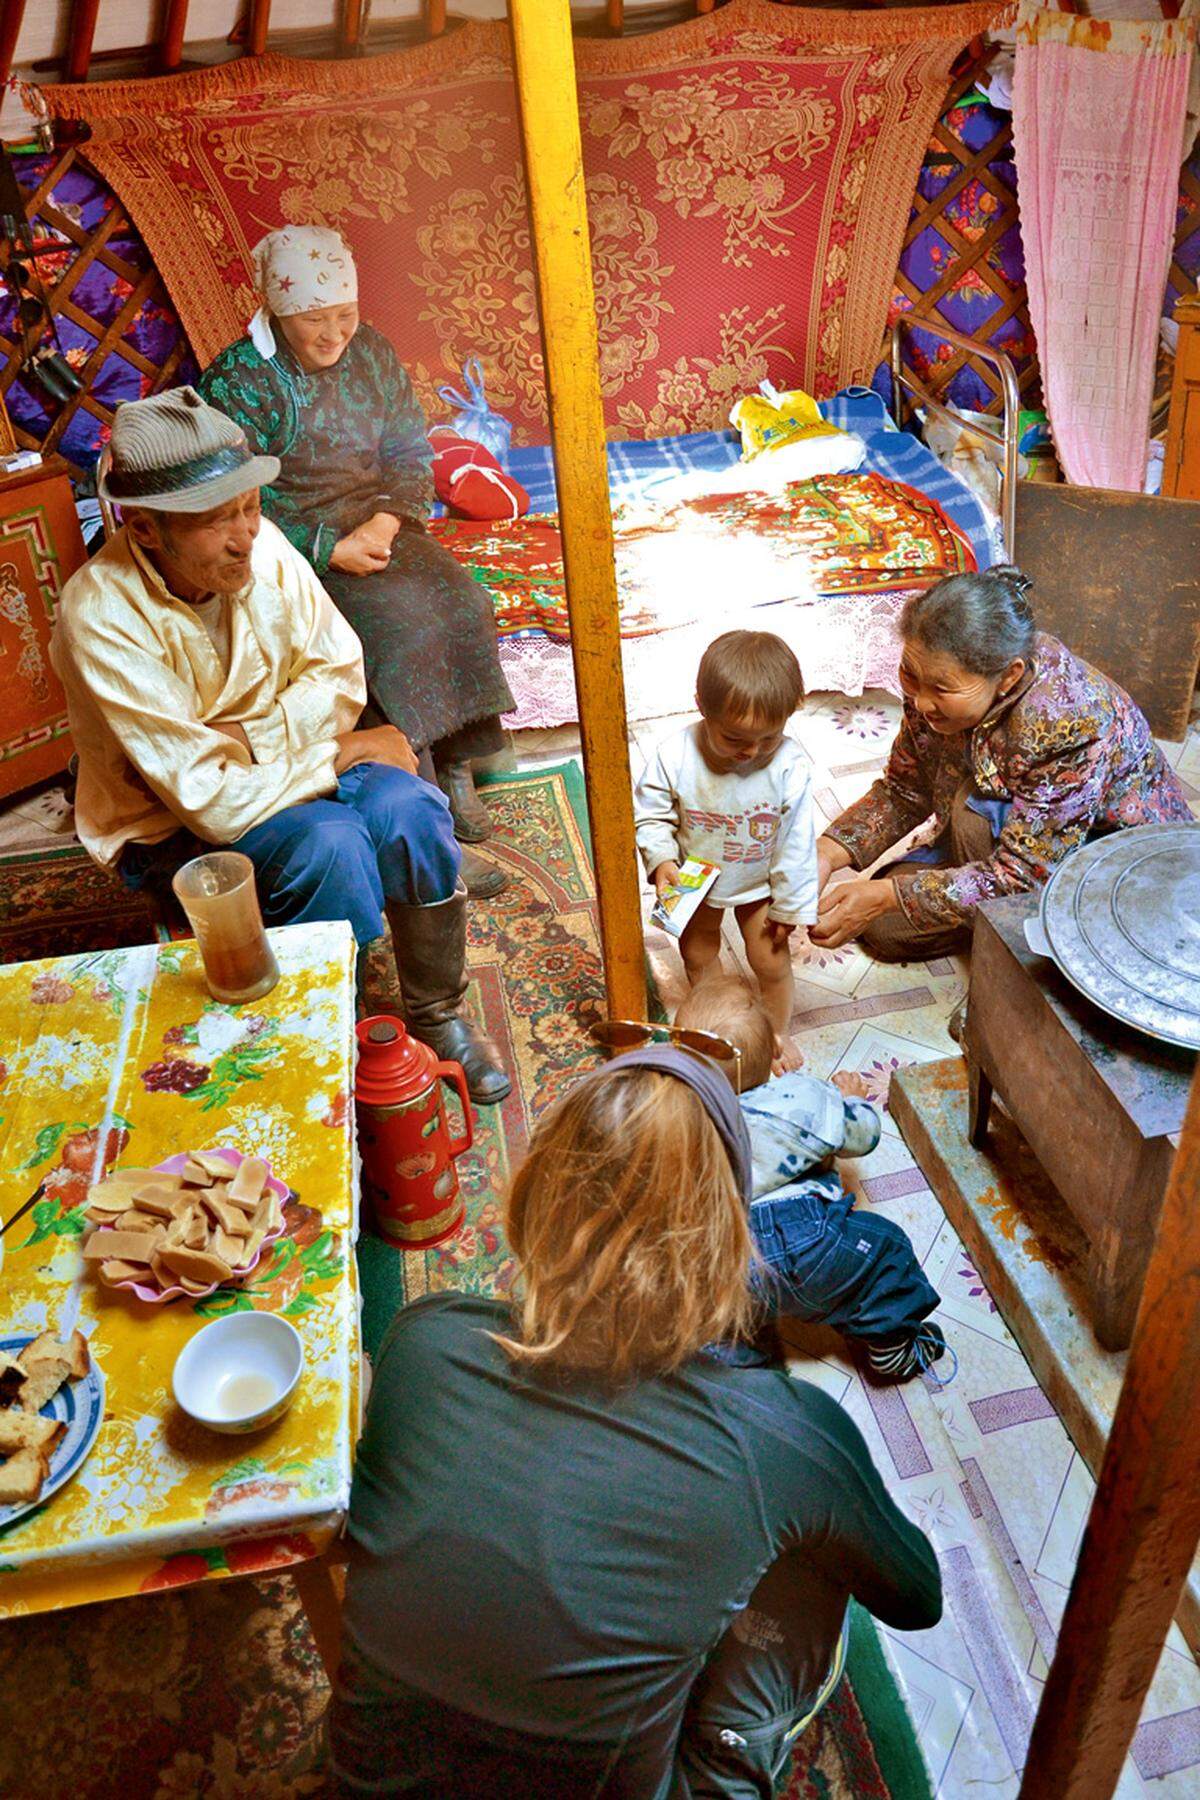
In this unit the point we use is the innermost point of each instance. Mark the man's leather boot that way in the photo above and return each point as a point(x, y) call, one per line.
point(430, 945)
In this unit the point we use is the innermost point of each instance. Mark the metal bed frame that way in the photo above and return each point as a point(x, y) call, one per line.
point(906, 384)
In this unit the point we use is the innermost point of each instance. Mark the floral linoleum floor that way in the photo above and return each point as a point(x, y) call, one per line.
point(984, 1466)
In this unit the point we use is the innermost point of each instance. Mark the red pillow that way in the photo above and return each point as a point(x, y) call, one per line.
point(470, 482)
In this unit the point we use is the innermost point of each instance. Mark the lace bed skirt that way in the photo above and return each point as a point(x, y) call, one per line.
point(843, 645)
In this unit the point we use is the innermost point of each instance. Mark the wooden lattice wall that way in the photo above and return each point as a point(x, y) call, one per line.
point(54, 230)
point(970, 257)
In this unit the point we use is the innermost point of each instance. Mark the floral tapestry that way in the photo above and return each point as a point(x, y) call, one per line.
point(830, 535)
point(749, 176)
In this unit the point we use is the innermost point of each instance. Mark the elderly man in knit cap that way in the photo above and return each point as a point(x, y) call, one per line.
point(213, 691)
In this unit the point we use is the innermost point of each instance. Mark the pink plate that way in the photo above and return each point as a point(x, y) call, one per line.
point(173, 1165)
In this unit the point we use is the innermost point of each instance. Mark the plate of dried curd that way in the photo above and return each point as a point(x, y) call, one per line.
point(186, 1227)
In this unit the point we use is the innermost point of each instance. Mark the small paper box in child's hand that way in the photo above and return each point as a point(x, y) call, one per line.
point(679, 905)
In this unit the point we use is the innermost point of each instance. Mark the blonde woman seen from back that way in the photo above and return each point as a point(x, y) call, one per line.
point(562, 1500)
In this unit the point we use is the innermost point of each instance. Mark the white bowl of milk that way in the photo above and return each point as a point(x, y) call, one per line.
point(239, 1373)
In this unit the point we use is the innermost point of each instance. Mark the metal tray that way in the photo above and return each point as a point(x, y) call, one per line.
point(1122, 919)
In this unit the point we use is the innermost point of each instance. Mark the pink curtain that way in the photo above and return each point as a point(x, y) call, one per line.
point(1098, 112)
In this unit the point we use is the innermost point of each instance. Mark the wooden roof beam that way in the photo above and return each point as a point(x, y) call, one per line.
point(80, 38)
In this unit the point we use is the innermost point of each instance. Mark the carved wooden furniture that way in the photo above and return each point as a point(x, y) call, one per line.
point(1117, 577)
point(40, 546)
point(1181, 468)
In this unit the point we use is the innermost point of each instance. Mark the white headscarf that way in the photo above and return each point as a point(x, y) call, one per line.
point(296, 268)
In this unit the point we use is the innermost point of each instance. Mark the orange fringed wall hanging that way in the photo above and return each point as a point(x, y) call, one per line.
point(749, 177)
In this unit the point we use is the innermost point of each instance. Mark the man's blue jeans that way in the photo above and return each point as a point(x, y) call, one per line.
point(385, 835)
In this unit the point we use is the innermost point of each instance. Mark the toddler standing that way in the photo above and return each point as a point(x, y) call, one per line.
point(732, 789)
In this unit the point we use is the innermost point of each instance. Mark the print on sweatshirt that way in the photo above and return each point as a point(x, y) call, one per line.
point(758, 827)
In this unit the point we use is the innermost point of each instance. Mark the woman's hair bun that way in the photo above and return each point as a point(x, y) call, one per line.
point(1012, 577)
point(983, 618)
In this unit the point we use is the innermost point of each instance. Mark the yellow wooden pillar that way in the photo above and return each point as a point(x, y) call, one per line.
point(545, 69)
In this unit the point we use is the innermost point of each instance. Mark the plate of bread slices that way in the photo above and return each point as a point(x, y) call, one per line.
point(185, 1227)
point(51, 1407)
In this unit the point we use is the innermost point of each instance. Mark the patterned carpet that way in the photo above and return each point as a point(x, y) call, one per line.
point(56, 901)
point(218, 1691)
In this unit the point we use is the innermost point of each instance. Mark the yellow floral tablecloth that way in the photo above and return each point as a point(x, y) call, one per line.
point(121, 1056)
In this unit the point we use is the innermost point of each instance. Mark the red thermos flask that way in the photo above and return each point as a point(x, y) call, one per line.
point(407, 1150)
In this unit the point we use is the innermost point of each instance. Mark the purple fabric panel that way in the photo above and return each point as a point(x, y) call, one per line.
point(966, 307)
point(1187, 254)
point(154, 331)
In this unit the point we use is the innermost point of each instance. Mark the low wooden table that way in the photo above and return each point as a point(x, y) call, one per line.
point(121, 1056)
point(1096, 1101)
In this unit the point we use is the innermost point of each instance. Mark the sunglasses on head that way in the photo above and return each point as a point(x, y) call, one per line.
point(616, 1035)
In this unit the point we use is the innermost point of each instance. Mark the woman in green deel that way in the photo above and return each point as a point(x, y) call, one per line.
point(328, 396)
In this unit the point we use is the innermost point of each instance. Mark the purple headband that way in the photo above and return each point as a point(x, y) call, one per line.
point(715, 1094)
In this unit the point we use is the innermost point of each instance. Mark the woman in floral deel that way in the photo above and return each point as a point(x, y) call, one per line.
point(328, 396)
point(1020, 750)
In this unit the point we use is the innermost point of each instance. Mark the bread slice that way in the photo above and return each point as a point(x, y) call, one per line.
point(157, 1197)
point(267, 1215)
point(229, 1246)
point(229, 1218)
point(45, 1348)
point(108, 1197)
point(49, 1348)
point(115, 1271)
point(249, 1182)
point(12, 1379)
point(128, 1246)
point(78, 1355)
point(218, 1166)
point(42, 1383)
point(136, 1220)
point(196, 1235)
point(253, 1246)
point(21, 1477)
point(28, 1431)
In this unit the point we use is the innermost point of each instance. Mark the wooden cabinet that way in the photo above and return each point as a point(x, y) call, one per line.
point(1181, 470)
point(40, 546)
point(1096, 1101)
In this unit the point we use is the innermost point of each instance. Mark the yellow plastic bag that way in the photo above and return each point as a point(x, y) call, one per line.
point(768, 419)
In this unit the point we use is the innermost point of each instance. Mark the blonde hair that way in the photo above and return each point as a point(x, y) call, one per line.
point(728, 1008)
point(631, 1236)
